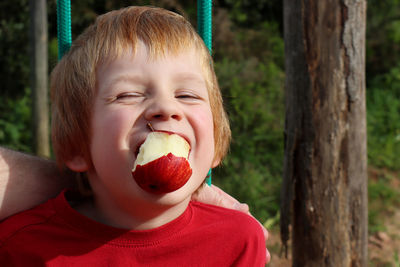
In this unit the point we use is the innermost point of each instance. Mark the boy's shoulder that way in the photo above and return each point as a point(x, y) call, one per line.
point(240, 235)
point(25, 220)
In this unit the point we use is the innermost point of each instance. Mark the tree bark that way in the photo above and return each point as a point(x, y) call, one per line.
point(39, 76)
point(324, 193)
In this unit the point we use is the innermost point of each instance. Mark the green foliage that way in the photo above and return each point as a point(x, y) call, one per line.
point(383, 36)
point(264, 42)
point(53, 53)
point(14, 60)
point(250, 13)
point(15, 117)
point(383, 116)
point(383, 198)
point(252, 171)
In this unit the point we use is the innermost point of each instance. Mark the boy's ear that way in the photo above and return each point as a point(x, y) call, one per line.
point(77, 164)
point(215, 163)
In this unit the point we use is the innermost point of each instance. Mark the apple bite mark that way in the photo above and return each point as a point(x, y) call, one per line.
point(161, 165)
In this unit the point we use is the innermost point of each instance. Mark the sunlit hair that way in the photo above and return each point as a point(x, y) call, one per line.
point(73, 80)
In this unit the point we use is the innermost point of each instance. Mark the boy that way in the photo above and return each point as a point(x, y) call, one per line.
point(134, 67)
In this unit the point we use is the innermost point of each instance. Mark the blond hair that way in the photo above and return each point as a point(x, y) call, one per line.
point(73, 80)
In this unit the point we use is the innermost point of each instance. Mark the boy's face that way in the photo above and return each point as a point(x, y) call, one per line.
point(169, 92)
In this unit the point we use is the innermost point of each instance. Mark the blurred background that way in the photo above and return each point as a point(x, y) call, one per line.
point(248, 51)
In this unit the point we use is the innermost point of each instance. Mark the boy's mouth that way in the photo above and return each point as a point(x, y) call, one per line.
point(161, 164)
point(138, 149)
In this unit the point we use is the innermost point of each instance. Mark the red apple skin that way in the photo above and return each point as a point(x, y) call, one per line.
point(163, 175)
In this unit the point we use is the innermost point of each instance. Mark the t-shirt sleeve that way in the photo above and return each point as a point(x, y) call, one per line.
point(233, 238)
point(253, 244)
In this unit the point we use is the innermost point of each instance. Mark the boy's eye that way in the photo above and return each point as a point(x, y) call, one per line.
point(128, 95)
point(187, 96)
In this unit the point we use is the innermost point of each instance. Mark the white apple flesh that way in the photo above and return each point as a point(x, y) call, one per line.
point(161, 165)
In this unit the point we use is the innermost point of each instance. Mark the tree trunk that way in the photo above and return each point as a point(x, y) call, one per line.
point(324, 193)
point(39, 76)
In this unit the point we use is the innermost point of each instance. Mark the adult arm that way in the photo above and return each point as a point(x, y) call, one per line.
point(26, 181)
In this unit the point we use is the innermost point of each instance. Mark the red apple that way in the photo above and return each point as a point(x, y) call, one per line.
point(161, 165)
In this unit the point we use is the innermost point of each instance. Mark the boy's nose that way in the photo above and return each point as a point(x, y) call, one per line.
point(163, 109)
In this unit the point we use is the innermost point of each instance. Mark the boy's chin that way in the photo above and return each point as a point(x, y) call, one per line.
point(174, 197)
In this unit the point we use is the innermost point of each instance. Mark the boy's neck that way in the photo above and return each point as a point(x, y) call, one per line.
point(132, 217)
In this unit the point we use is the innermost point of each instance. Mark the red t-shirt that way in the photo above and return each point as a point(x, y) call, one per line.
point(54, 234)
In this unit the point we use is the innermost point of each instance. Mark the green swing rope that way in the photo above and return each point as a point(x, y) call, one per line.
point(204, 27)
point(204, 24)
point(204, 21)
point(63, 27)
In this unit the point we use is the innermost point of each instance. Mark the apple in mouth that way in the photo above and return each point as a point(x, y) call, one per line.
point(161, 165)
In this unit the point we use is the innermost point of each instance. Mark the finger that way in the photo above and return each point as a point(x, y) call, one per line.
point(243, 207)
point(233, 202)
point(223, 194)
point(214, 196)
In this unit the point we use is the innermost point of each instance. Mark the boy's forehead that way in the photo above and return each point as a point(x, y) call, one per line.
point(148, 54)
point(185, 60)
